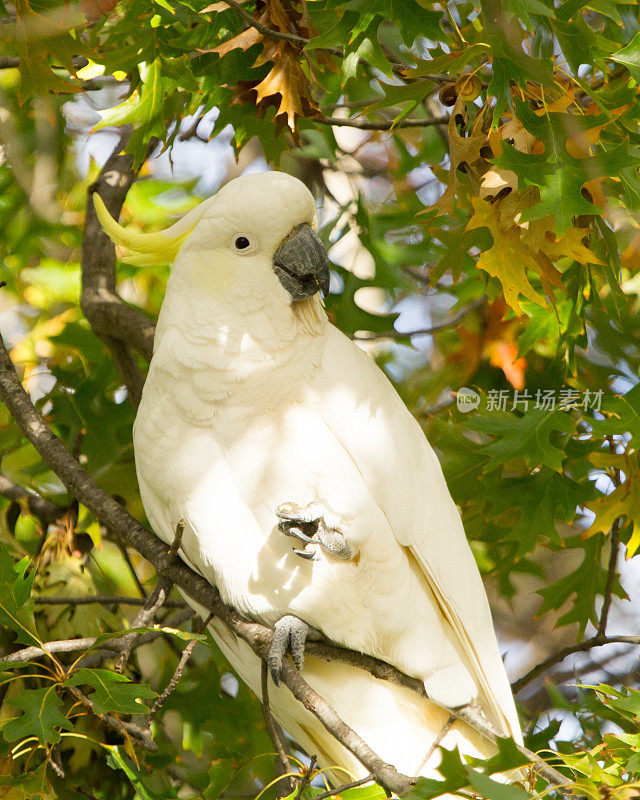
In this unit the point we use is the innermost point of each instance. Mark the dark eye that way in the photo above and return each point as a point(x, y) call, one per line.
point(241, 243)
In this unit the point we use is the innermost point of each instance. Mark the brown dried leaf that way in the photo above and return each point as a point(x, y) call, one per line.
point(243, 41)
point(462, 149)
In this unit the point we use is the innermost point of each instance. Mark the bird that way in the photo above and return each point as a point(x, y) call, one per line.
point(310, 495)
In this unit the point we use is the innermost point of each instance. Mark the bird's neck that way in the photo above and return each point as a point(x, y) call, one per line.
point(223, 354)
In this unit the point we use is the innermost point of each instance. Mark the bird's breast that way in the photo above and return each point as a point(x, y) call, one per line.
point(227, 479)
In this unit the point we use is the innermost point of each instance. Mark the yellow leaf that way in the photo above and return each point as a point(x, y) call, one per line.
point(624, 501)
point(570, 245)
point(508, 258)
point(36, 344)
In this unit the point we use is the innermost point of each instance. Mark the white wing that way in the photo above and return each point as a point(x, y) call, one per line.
point(364, 412)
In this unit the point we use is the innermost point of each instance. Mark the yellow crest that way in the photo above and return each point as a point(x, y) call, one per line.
point(145, 249)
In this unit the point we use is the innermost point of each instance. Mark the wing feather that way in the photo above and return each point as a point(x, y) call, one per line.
point(399, 467)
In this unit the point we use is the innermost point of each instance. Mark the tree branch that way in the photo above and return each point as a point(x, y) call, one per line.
point(121, 326)
point(474, 306)
point(74, 645)
point(614, 541)
point(144, 617)
point(560, 655)
point(273, 729)
point(367, 125)
point(103, 599)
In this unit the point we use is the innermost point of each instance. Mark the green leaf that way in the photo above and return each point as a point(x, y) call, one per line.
point(528, 436)
point(113, 692)
point(571, 587)
point(623, 413)
point(117, 760)
point(493, 790)
point(221, 772)
point(629, 56)
point(16, 603)
point(41, 717)
point(531, 168)
point(413, 20)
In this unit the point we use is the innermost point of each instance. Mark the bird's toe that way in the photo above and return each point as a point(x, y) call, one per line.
point(289, 636)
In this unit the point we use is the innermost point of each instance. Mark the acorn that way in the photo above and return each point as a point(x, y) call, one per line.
point(468, 87)
point(448, 94)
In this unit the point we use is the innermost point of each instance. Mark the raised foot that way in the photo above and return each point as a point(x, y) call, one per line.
point(307, 524)
point(289, 636)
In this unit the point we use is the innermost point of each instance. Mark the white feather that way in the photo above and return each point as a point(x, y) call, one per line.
point(251, 402)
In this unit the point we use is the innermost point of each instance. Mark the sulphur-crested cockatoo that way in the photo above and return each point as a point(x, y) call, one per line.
point(310, 494)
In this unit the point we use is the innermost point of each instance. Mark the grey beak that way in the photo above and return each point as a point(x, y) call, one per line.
point(301, 264)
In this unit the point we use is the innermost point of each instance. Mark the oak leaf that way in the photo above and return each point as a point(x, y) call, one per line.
point(508, 258)
point(463, 150)
point(285, 86)
point(624, 501)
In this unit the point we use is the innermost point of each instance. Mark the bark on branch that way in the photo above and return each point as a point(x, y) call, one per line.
point(121, 326)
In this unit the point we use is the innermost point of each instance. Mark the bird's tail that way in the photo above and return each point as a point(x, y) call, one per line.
point(402, 728)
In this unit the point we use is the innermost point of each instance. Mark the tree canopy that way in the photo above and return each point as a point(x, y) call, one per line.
point(476, 170)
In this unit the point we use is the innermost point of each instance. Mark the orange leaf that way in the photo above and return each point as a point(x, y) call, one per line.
point(505, 356)
point(243, 41)
point(630, 258)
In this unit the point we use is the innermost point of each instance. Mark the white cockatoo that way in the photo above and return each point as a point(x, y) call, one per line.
point(310, 494)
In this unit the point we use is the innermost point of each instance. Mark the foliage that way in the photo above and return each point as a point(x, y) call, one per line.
point(499, 180)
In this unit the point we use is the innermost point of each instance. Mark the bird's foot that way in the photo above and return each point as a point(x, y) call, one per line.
point(289, 636)
point(307, 524)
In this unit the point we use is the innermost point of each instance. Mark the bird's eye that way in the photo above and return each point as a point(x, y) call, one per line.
point(241, 243)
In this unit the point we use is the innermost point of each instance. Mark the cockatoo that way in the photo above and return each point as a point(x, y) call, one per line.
point(310, 494)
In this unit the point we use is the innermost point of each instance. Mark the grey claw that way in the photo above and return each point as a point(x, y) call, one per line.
point(289, 529)
point(310, 556)
point(289, 635)
point(298, 522)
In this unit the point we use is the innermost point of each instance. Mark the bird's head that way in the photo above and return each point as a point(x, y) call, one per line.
point(257, 233)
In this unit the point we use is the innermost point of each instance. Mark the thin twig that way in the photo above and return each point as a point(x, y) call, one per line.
point(306, 777)
point(272, 727)
point(292, 38)
point(464, 312)
point(560, 655)
point(438, 740)
point(126, 728)
point(134, 575)
point(102, 599)
point(367, 125)
point(182, 663)
point(144, 617)
point(614, 540)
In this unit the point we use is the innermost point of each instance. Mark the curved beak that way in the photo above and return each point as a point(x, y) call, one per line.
point(301, 264)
